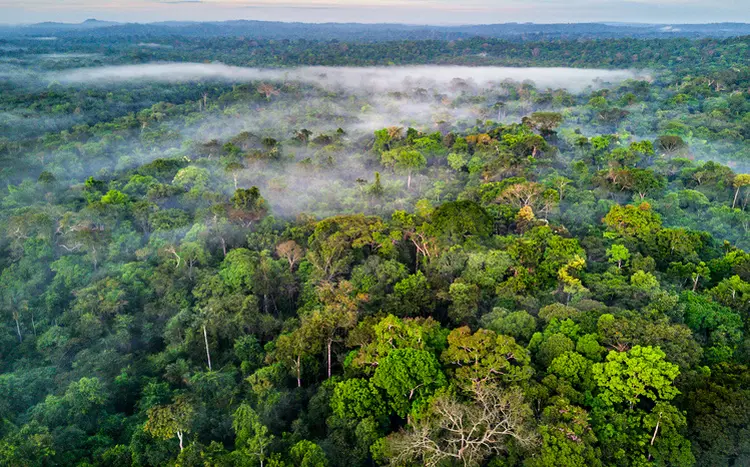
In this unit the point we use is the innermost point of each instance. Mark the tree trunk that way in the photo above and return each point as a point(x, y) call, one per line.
point(18, 328)
point(299, 372)
point(736, 193)
point(179, 436)
point(208, 353)
point(695, 282)
point(328, 348)
point(408, 181)
point(656, 430)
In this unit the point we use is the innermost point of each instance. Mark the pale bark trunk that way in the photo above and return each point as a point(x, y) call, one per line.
point(208, 353)
point(299, 372)
point(736, 193)
point(653, 438)
point(328, 345)
point(179, 436)
point(18, 329)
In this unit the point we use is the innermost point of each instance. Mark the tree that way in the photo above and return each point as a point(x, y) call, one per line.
point(168, 421)
point(571, 284)
point(717, 327)
point(567, 438)
point(234, 169)
point(308, 454)
point(457, 161)
point(292, 347)
point(411, 296)
point(376, 190)
point(719, 414)
point(739, 181)
point(638, 373)
point(670, 144)
point(335, 240)
point(485, 358)
point(290, 251)
point(30, 445)
point(409, 377)
point(560, 184)
point(408, 161)
point(618, 254)
point(248, 206)
point(192, 178)
point(386, 137)
point(357, 399)
point(267, 90)
point(520, 195)
point(518, 324)
point(545, 122)
point(644, 182)
point(253, 439)
point(338, 316)
point(701, 270)
point(390, 333)
point(632, 221)
point(456, 220)
point(454, 432)
point(464, 301)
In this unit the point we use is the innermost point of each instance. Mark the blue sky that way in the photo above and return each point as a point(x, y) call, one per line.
point(370, 11)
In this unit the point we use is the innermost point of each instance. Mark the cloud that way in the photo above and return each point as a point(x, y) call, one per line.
point(324, 178)
point(371, 79)
point(153, 45)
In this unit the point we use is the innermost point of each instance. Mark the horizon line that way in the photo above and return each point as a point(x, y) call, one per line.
point(445, 25)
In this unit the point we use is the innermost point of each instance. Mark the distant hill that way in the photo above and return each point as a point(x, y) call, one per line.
point(374, 32)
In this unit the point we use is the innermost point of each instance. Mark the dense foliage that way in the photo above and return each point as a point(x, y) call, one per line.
point(203, 274)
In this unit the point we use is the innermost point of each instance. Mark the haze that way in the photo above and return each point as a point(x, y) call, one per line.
point(386, 11)
point(368, 78)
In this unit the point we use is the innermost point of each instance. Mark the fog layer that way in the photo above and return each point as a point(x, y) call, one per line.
point(377, 79)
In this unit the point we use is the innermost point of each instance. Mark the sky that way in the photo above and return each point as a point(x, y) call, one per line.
point(377, 11)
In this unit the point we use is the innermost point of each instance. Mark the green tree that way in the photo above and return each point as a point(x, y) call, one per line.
point(740, 181)
point(485, 357)
point(308, 454)
point(404, 160)
point(29, 446)
point(168, 421)
point(252, 437)
point(567, 438)
point(409, 377)
point(248, 206)
point(618, 254)
point(357, 399)
point(638, 373)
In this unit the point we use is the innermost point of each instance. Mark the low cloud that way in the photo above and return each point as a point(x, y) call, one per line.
point(375, 79)
point(324, 178)
point(153, 45)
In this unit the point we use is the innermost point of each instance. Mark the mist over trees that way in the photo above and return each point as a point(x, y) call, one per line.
point(256, 262)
